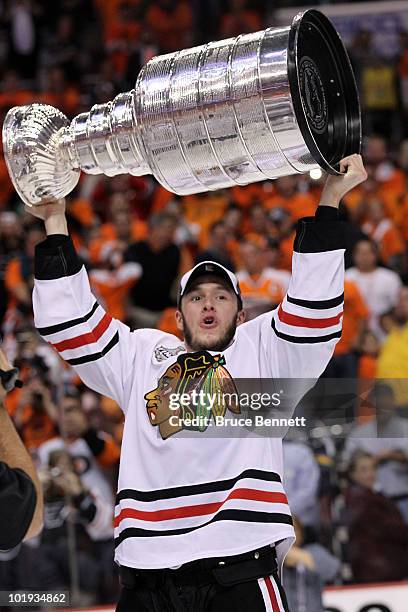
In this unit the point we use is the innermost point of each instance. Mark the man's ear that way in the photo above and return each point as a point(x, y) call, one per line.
point(179, 321)
point(241, 316)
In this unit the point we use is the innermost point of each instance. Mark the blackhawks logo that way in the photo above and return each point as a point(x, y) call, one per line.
point(200, 376)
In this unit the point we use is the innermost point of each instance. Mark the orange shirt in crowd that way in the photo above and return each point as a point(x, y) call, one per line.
point(355, 314)
point(403, 225)
point(270, 286)
point(286, 252)
point(81, 209)
point(172, 30)
point(244, 197)
point(112, 286)
point(36, 428)
point(367, 367)
point(107, 233)
point(299, 205)
point(167, 322)
point(160, 198)
point(390, 192)
point(205, 210)
point(387, 237)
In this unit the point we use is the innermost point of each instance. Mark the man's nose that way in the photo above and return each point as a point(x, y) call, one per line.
point(208, 304)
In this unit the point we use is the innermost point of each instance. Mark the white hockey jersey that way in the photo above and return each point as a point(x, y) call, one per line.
point(185, 495)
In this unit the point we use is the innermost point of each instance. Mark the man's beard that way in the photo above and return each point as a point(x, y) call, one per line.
point(217, 345)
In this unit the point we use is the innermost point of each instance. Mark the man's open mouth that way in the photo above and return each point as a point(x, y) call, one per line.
point(209, 322)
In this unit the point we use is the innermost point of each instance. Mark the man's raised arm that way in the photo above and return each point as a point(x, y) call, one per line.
point(307, 324)
point(299, 337)
point(68, 316)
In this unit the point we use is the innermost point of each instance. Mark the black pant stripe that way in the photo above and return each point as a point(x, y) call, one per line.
point(207, 487)
point(246, 516)
point(53, 329)
point(95, 356)
point(317, 304)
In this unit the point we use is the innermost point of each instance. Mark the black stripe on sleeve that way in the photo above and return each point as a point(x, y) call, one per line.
point(206, 487)
point(95, 356)
point(246, 516)
point(317, 304)
point(53, 329)
point(304, 339)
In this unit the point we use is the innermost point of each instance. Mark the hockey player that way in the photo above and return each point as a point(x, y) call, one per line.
point(201, 522)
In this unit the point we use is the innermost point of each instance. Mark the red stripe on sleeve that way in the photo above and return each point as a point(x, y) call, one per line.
point(297, 321)
point(199, 509)
point(88, 338)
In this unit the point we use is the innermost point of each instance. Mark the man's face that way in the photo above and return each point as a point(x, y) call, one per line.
point(364, 473)
point(73, 419)
point(364, 256)
point(209, 315)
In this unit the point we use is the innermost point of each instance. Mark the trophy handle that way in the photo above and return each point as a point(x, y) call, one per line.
point(39, 167)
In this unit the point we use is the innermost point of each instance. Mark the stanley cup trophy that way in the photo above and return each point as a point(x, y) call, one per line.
point(259, 106)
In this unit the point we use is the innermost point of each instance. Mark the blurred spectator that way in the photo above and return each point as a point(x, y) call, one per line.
point(388, 176)
point(378, 286)
point(217, 247)
point(380, 97)
point(344, 362)
point(36, 415)
point(385, 437)
point(121, 228)
point(113, 280)
point(378, 535)
point(11, 244)
point(308, 566)
point(68, 499)
point(385, 234)
point(162, 263)
point(186, 233)
point(301, 481)
point(286, 195)
point(91, 450)
point(368, 356)
point(393, 357)
point(23, 37)
point(282, 230)
point(262, 287)
point(19, 274)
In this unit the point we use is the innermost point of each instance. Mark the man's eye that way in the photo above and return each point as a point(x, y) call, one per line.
point(195, 298)
point(222, 297)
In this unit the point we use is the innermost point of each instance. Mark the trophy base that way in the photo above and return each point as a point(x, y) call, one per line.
point(36, 164)
point(324, 91)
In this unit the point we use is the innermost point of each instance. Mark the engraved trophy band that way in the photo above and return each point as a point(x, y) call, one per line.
point(273, 103)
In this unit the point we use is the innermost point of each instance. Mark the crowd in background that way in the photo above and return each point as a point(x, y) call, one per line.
point(348, 487)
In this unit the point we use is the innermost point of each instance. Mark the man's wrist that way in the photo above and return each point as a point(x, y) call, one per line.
point(56, 224)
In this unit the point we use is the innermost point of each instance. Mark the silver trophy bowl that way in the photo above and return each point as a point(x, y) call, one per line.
point(256, 107)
